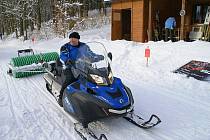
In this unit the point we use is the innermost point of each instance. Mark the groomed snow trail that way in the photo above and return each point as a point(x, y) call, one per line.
point(29, 112)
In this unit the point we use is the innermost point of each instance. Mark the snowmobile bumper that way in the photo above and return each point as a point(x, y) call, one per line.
point(121, 111)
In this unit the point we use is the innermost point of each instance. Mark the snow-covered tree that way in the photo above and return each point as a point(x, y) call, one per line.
point(21, 16)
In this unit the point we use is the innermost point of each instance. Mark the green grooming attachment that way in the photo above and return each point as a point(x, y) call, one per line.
point(25, 66)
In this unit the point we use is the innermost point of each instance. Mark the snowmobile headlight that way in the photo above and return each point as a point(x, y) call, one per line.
point(98, 79)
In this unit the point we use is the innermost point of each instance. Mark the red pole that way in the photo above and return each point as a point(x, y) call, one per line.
point(147, 62)
point(147, 55)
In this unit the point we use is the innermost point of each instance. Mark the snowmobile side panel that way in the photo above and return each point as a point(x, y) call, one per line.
point(55, 86)
point(129, 94)
point(84, 107)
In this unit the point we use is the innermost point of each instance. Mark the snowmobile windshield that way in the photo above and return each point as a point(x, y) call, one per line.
point(93, 62)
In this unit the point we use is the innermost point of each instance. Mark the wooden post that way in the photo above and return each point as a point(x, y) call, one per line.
point(182, 21)
point(150, 21)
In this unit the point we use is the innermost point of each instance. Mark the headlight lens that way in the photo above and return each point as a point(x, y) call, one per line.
point(98, 79)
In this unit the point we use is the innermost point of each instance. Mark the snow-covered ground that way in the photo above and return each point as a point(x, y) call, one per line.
point(29, 112)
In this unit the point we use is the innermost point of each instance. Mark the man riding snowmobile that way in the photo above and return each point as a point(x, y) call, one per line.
point(68, 55)
point(96, 93)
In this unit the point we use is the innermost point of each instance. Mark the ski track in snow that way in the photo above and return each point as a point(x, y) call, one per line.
point(14, 121)
point(31, 121)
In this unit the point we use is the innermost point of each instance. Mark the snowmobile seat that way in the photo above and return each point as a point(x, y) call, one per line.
point(67, 76)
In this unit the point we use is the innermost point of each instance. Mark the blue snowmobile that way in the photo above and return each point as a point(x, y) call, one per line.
point(96, 94)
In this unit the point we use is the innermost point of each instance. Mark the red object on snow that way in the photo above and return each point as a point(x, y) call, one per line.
point(147, 52)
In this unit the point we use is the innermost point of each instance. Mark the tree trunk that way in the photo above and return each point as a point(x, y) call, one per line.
point(26, 27)
point(39, 15)
point(16, 33)
point(21, 27)
point(31, 25)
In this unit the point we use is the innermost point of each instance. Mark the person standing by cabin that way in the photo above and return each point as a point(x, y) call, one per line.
point(170, 24)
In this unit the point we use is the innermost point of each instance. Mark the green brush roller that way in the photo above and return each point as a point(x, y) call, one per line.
point(25, 66)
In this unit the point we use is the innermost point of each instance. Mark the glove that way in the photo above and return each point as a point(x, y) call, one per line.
point(97, 58)
point(70, 62)
point(100, 57)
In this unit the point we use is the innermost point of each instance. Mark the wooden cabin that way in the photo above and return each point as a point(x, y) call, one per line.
point(144, 20)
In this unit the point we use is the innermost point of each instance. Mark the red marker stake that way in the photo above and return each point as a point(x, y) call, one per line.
point(147, 55)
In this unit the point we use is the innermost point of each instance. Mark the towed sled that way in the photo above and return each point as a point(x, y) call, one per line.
point(27, 63)
point(96, 94)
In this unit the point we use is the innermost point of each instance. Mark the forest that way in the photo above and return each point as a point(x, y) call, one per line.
point(23, 16)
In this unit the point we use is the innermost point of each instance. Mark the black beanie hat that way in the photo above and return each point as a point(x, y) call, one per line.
point(74, 35)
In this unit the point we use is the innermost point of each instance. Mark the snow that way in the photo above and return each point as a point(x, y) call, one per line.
point(29, 112)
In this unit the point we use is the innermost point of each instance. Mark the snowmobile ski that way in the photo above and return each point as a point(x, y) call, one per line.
point(140, 122)
point(86, 132)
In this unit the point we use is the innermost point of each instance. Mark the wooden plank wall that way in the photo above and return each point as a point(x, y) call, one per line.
point(116, 25)
point(137, 26)
point(137, 21)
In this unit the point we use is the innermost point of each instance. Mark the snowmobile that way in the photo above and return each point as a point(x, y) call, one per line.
point(27, 63)
point(96, 94)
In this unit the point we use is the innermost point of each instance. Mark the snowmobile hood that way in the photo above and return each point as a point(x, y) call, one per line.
point(115, 94)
